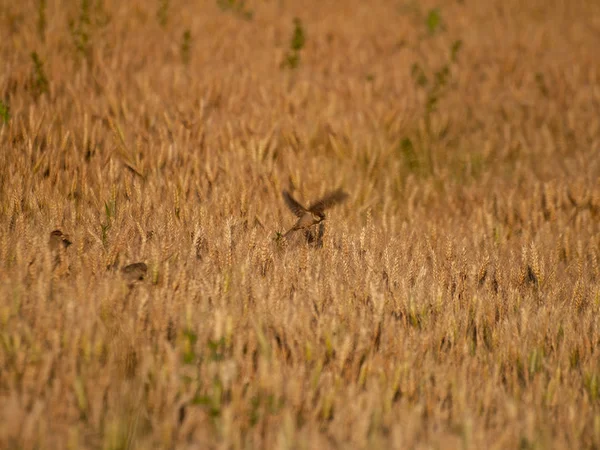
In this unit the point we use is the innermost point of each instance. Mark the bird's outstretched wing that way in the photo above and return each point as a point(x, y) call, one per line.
point(331, 199)
point(294, 206)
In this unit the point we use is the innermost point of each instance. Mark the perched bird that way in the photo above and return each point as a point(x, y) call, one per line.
point(58, 240)
point(314, 214)
point(134, 272)
point(58, 244)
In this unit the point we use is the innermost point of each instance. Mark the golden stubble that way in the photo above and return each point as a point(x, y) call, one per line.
point(452, 302)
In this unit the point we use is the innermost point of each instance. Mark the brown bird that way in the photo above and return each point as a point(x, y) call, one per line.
point(58, 240)
point(314, 214)
point(134, 272)
point(58, 244)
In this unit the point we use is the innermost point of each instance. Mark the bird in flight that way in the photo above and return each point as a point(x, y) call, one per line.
point(315, 213)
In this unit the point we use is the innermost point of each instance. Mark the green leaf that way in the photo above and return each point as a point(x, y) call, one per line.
point(298, 38)
point(162, 14)
point(186, 44)
point(4, 112)
point(455, 49)
point(434, 20)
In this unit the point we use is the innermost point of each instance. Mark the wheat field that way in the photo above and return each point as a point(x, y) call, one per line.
point(453, 300)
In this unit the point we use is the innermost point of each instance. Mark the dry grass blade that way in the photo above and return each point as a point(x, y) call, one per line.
point(122, 149)
point(452, 302)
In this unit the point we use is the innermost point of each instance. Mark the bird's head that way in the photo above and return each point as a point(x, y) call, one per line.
point(318, 216)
